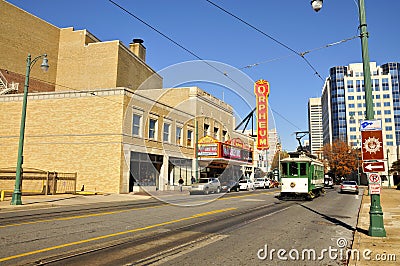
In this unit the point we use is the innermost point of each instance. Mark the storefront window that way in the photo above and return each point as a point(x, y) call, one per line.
point(181, 168)
point(145, 169)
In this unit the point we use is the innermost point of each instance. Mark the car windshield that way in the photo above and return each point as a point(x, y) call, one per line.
point(243, 181)
point(203, 180)
point(353, 183)
point(260, 179)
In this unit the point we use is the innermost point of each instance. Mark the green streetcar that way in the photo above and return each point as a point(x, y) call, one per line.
point(302, 177)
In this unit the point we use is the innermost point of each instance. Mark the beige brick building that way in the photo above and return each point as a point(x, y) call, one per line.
point(86, 115)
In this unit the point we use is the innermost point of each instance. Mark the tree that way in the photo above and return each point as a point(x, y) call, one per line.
point(341, 158)
point(395, 169)
point(275, 160)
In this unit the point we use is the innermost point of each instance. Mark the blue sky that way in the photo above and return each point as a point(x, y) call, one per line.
point(214, 35)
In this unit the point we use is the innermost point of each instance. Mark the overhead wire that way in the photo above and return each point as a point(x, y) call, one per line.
point(303, 53)
point(174, 42)
point(248, 24)
point(268, 36)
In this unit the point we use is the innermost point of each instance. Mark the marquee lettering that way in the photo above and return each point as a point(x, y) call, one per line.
point(261, 90)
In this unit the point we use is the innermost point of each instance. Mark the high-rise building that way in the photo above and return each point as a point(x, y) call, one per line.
point(263, 158)
point(343, 103)
point(315, 125)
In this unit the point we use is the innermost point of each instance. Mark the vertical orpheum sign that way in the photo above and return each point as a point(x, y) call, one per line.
point(261, 90)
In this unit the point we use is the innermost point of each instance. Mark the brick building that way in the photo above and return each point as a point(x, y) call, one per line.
point(88, 115)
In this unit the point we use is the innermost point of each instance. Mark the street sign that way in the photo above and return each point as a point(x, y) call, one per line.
point(374, 178)
point(374, 189)
point(367, 125)
point(373, 167)
point(372, 145)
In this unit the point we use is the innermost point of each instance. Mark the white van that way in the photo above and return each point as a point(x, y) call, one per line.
point(261, 182)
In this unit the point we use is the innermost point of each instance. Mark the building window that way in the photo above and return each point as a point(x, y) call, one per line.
point(152, 128)
point(388, 128)
point(166, 132)
point(224, 135)
point(216, 133)
point(189, 142)
point(206, 130)
point(385, 84)
point(387, 112)
point(136, 122)
point(386, 104)
point(178, 135)
point(388, 120)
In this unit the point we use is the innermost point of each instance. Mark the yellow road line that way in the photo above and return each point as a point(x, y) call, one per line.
point(78, 216)
point(121, 211)
point(114, 234)
point(247, 195)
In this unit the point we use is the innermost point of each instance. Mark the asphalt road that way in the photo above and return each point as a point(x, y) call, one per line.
point(325, 223)
point(237, 229)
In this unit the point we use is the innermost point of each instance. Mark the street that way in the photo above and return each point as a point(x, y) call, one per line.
point(245, 228)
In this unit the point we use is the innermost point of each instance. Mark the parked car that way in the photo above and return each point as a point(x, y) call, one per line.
point(328, 182)
point(206, 186)
point(349, 186)
point(246, 184)
point(273, 183)
point(261, 183)
point(229, 186)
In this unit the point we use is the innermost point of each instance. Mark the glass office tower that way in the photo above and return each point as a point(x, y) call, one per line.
point(343, 102)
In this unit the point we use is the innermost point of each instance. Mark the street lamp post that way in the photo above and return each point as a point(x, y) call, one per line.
point(16, 196)
point(197, 151)
point(278, 146)
point(376, 227)
point(387, 162)
point(358, 169)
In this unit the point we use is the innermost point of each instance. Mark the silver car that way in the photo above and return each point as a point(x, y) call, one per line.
point(206, 186)
point(349, 186)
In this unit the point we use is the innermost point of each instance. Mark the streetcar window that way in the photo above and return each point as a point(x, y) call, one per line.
point(284, 169)
point(293, 169)
point(303, 169)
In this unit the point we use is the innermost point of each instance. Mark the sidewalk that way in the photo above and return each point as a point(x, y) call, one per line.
point(381, 248)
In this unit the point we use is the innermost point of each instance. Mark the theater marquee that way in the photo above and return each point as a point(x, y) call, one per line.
point(261, 90)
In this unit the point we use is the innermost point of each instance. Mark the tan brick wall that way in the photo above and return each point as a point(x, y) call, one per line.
point(85, 66)
point(77, 59)
point(80, 135)
point(133, 73)
point(20, 34)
